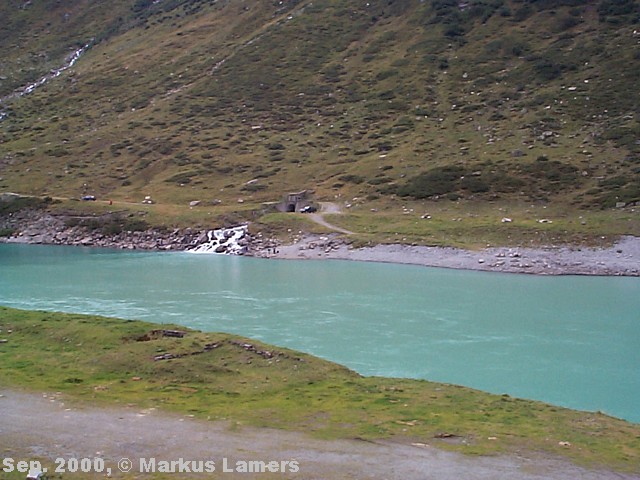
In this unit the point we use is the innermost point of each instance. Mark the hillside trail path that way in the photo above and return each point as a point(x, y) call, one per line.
point(328, 208)
point(41, 426)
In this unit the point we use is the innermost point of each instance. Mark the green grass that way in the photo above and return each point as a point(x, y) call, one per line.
point(105, 361)
point(473, 225)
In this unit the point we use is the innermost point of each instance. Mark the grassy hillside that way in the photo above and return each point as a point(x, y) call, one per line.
point(223, 377)
point(376, 104)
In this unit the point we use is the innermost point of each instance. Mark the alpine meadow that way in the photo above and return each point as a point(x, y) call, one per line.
point(469, 111)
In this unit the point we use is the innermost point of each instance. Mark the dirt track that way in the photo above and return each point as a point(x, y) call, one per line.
point(329, 208)
point(42, 426)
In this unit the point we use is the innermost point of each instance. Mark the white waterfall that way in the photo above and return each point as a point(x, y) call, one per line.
point(227, 241)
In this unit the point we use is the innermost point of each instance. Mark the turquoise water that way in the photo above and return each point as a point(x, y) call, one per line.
point(571, 341)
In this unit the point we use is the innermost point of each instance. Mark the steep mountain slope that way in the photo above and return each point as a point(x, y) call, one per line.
point(35, 36)
point(493, 100)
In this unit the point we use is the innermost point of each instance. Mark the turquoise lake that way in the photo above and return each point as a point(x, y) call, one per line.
point(571, 341)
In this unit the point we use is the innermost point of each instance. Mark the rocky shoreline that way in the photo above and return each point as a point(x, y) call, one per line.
point(36, 227)
point(622, 259)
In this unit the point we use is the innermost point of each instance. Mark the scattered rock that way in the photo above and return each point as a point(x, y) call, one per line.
point(169, 333)
point(411, 423)
point(445, 435)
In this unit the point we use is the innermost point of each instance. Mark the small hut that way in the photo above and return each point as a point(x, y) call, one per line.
point(294, 202)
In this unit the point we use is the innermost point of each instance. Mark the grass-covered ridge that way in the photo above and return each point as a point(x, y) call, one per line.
point(224, 377)
point(384, 101)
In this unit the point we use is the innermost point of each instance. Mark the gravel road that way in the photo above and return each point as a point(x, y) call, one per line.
point(44, 426)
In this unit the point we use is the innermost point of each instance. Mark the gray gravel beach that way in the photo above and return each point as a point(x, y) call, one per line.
point(622, 258)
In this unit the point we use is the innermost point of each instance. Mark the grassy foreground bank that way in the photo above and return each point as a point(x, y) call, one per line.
point(217, 376)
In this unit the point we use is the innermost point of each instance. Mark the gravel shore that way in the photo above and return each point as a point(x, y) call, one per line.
point(623, 258)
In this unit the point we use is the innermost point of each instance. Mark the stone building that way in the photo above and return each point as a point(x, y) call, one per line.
point(294, 202)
